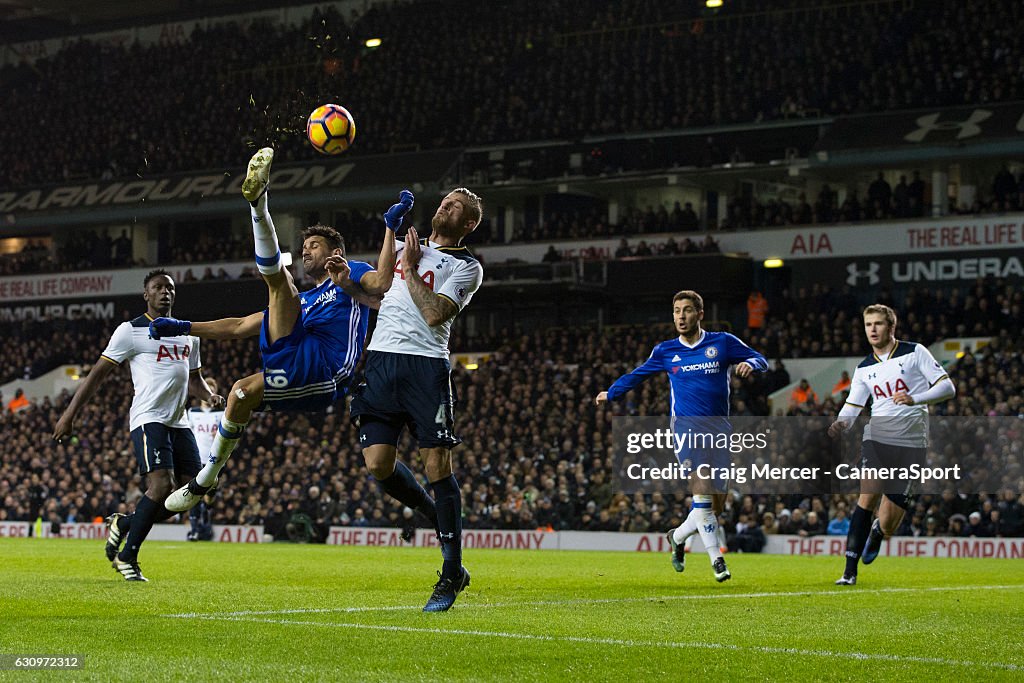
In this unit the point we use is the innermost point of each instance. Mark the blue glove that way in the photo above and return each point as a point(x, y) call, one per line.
point(169, 327)
point(393, 216)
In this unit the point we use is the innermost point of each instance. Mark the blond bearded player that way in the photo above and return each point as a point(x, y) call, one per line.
point(408, 380)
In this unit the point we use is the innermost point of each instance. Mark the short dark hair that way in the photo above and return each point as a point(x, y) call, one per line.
point(332, 236)
point(693, 296)
point(155, 273)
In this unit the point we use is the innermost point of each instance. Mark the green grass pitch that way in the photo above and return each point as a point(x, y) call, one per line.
point(218, 611)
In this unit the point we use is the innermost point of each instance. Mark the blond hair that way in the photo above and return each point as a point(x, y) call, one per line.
point(888, 313)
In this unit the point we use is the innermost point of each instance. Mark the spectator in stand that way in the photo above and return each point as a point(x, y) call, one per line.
point(840, 524)
point(842, 385)
point(813, 525)
point(757, 310)
point(623, 249)
point(19, 402)
point(709, 245)
point(917, 190)
point(802, 398)
point(551, 255)
point(975, 525)
point(688, 220)
point(879, 195)
point(901, 198)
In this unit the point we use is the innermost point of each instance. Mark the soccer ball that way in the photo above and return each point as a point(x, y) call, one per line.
point(330, 129)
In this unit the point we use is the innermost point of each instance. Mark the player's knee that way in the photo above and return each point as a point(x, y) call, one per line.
point(378, 464)
point(247, 392)
point(437, 463)
point(159, 485)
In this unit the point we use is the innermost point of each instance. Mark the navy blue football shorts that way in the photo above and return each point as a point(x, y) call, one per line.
point(297, 376)
point(402, 390)
point(882, 455)
point(159, 447)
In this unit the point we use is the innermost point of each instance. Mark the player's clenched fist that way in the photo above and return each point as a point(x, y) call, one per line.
point(169, 327)
point(394, 215)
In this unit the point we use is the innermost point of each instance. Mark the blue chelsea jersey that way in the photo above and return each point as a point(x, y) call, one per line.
point(698, 375)
point(337, 322)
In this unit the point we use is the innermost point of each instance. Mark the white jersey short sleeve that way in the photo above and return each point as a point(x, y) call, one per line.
point(450, 272)
point(160, 372)
point(121, 346)
point(930, 369)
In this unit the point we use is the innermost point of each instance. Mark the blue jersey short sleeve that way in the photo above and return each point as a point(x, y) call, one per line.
point(741, 353)
point(359, 269)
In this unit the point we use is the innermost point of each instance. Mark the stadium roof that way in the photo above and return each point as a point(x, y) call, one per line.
point(37, 19)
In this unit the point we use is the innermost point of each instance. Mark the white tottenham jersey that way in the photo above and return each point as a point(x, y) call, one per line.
point(160, 372)
point(909, 368)
point(451, 272)
point(204, 423)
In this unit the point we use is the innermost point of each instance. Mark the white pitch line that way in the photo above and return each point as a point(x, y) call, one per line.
point(596, 601)
point(636, 643)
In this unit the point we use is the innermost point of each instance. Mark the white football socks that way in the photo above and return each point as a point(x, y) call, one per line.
point(224, 443)
point(702, 519)
point(268, 253)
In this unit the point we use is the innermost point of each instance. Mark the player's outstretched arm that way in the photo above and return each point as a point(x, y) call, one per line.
point(435, 309)
point(93, 381)
point(373, 284)
point(225, 328)
point(653, 365)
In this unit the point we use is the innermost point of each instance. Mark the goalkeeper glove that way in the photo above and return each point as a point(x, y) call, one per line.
point(393, 216)
point(169, 327)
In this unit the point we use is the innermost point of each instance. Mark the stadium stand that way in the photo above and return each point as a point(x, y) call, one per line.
point(520, 466)
point(515, 68)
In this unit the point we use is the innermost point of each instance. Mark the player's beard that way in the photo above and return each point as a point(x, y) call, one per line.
point(445, 227)
point(315, 271)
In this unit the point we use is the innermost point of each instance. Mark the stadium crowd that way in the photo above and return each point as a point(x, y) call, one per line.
point(814, 321)
point(140, 101)
point(536, 453)
point(523, 62)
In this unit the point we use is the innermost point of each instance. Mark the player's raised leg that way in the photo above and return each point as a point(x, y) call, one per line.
point(245, 397)
point(890, 515)
point(284, 296)
point(448, 498)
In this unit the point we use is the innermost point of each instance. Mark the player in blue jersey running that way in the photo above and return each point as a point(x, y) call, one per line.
point(310, 341)
point(697, 363)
